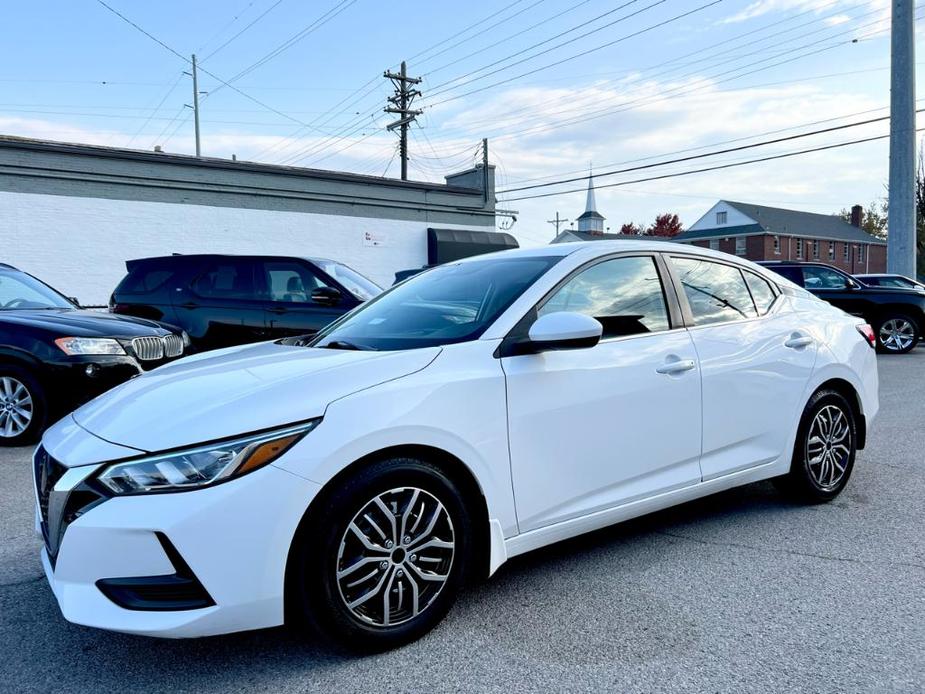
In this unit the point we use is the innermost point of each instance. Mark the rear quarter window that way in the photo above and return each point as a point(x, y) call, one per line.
point(143, 279)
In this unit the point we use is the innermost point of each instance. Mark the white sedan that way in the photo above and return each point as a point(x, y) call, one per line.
point(354, 480)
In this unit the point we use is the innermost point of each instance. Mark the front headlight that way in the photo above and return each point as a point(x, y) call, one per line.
point(198, 467)
point(89, 345)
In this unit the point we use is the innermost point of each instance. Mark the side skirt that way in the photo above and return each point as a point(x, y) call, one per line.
point(534, 539)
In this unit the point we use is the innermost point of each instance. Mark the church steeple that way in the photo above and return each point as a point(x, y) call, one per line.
point(591, 221)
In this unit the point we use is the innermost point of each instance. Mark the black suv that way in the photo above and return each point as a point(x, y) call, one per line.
point(55, 356)
point(896, 315)
point(224, 300)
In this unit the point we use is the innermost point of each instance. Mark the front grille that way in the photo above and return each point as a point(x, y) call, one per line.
point(173, 346)
point(47, 473)
point(148, 348)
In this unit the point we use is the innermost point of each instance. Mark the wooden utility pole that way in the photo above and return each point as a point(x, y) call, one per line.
point(196, 104)
point(556, 222)
point(401, 105)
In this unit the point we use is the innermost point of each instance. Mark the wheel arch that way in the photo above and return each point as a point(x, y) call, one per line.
point(915, 312)
point(454, 468)
point(850, 393)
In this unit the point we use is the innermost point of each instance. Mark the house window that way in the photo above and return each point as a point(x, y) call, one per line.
point(720, 217)
point(860, 253)
point(799, 248)
point(847, 252)
point(740, 245)
point(831, 250)
point(777, 245)
point(815, 250)
point(714, 244)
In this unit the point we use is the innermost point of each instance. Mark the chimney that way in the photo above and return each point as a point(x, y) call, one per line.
point(856, 213)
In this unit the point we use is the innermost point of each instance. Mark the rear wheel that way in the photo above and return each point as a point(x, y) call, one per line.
point(22, 407)
point(825, 448)
point(381, 559)
point(897, 334)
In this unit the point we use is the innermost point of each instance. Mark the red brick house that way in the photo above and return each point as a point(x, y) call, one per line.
point(757, 232)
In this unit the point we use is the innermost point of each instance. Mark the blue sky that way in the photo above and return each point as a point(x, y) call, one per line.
point(74, 71)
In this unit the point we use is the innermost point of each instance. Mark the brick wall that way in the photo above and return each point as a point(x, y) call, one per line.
point(761, 247)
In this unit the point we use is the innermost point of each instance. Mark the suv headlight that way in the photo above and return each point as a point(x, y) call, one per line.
point(194, 468)
point(89, 345)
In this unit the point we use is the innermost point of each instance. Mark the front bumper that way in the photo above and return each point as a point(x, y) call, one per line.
point(234, 537)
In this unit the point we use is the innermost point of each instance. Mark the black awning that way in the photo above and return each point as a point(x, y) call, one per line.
point(445, 245)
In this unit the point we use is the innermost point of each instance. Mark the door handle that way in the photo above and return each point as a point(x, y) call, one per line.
point(277, 310)
point(676, 366)
point(189, 304)
point(798, 342)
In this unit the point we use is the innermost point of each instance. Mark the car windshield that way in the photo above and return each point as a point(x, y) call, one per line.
point(361, 287)
point(19, 291)
point(450, 303)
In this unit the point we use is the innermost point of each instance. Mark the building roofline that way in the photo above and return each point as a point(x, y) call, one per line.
point(103, 151)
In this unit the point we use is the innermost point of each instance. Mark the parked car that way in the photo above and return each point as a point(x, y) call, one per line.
point(55, 356)
point(897, 315)
point(477, 411)
point(225, 300)
point(885, 280)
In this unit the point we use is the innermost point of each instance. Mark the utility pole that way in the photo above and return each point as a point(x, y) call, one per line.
point(196, 104)
point(485, 170)
point(556, 222)
point(401, 105)
point(901, 239)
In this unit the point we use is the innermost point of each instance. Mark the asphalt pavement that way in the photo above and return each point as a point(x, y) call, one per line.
point(739, 592)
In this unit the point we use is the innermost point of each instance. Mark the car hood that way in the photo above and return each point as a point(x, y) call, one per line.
point(66, 322)
point(236, 391)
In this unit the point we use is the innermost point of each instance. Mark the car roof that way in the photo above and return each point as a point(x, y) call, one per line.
point(7, 266)
point(211, 256)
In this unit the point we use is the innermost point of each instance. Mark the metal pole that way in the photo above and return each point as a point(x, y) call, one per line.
point(403, 142)
point(196, 104)
point(901, 238)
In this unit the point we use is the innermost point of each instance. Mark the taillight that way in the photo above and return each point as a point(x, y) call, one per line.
point(868, 333)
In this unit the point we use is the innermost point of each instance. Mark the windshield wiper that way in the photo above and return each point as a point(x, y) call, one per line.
point(343, 344)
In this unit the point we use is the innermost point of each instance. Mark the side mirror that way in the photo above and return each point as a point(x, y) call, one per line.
point(563, 330)
point(326, 296)
point(853, 285)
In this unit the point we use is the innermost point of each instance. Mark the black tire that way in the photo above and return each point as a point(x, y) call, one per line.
point(905, 332)
point(325, 544)
point(803, 481)
point(16, 376)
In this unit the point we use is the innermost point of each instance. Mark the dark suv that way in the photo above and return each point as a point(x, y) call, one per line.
point(55, 356)
point(224, 300)
point(896, 315)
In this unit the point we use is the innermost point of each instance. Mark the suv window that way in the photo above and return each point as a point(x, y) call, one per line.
point(761, 292)
point(144, 278)
point(624, 294)
point(227, 279)
point(291, 282)
point(716, 292)
point(815, 277)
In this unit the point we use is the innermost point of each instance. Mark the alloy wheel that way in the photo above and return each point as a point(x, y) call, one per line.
point(395, 556)
point(897, 334)
point(16, 407)
point(828, 447)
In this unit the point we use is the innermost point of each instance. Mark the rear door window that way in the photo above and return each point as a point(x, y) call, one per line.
point(716, 292)
point(227, 279)
point(761, 292)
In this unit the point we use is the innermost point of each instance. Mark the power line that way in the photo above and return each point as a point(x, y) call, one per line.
point(710, 168)
point(252, 23)
point(583, 53)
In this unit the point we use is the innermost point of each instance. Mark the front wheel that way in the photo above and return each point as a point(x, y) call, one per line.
point(381, 559)
point(22, 407)
point(897, 334)
point(824, 451)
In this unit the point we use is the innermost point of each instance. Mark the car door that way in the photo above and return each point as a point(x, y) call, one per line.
point(836, 288)
point(294, 307)
point(221, 306)
point(755, 361)
point(594, 428)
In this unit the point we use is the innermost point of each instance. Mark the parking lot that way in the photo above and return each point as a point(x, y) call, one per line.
point(738, 592)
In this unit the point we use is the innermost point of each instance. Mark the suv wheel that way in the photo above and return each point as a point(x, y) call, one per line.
point(22, 407)
point(897, 334)
point(379, 562)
